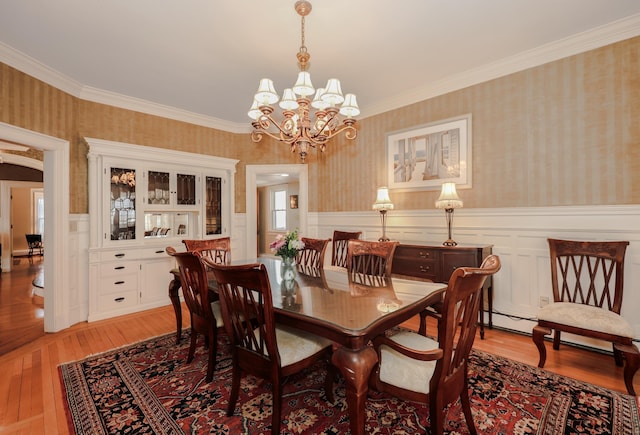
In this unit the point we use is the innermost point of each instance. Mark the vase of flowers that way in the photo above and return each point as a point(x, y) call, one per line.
point(286, 246)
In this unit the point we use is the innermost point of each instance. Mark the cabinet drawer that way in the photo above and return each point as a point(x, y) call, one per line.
point(120, 254)
point(416, 261)
point(157, 252)
point(119, 283)
point(119, 269)
point(452, 260)
point(116, 301)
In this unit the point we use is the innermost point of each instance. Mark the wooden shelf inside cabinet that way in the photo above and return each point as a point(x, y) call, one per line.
point(437, 262)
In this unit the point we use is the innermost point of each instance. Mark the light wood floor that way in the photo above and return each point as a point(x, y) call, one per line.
point(31, 400)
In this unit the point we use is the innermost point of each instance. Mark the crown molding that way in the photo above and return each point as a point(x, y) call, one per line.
point(616, 31)
point(625, 28)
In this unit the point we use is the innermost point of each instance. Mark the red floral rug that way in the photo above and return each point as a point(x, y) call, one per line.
point(148, 388)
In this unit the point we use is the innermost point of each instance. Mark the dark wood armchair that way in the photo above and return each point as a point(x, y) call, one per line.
point(339, 250)
point(370, 263)
point(587, 279)
point(259, 346)
point(310, 259)
point(206, 315)
point(215, 250)
point(418, 368)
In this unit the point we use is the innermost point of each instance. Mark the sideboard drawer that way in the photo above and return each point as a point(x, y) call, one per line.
point(416, 261)
point(455, 259)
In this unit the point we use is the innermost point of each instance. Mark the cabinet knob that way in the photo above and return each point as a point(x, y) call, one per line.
point(425, 268)
point(423, 254)
point(160, 252)
point(119, 299)
point(119, 282)
point(118, 255)
point(119, 267)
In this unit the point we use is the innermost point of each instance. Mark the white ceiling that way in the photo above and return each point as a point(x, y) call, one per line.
point(206, 56)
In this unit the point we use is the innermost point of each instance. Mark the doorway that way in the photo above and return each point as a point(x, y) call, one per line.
point(254, 172)
point(56, 195)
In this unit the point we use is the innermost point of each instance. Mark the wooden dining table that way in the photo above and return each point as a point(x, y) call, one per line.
point(349, 311)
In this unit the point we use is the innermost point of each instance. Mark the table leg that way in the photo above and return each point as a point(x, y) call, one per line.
point(174, 287)
point(356, 366)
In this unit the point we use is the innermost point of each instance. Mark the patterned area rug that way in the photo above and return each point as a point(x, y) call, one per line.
point(148, 388)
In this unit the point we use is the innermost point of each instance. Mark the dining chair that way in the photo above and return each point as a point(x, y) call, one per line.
point(417, 368)
point(216, 250)
point(206, 315)
point(370, 262)
point(258, 346)
point(339, 250)
point(310, 259)
point(587, 280)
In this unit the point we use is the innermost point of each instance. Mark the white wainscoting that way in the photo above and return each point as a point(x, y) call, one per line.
point(518, 236)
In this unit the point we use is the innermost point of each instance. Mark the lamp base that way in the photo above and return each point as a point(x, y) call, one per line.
point(449, 242)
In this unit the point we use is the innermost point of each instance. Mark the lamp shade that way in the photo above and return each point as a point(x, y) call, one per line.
point(383, 202)
point(333, 92)
point(303, 85)
point(254, 111)
point(266, 93)
point(288, 100)
point(350, 106)
point(448, 198)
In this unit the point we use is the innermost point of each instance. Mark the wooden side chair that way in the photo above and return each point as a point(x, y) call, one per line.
point(310, 259)
point(206, 315)
point(369, 263)
point(259, 346)
point(339, 251)
point(587, 279)
point(418, 368)
point(215, 250)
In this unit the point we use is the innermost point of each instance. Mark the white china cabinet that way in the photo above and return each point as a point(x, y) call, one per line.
point(141, 200)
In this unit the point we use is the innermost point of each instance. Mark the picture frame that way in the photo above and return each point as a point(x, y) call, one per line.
point(293, 201)
point(424, 157)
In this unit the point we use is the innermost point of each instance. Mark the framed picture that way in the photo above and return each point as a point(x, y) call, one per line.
point(293, 201)
point(424, 157)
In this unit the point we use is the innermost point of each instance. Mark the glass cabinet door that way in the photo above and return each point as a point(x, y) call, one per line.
point(213, 205)
point(158, 188)
point(123, 204)
point(185, 189)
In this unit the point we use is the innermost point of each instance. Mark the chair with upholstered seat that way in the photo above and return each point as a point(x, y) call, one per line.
point(339, 250)
point(216, 250)
point(206, 316)
point(310, 259)
point(418, 368)
point(259, 346)
point(370, 262)
point(587, 280)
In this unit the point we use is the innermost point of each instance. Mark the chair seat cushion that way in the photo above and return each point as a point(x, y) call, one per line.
point(404, 372)
point(586, 317)
point(295, 345)
point(217, 312)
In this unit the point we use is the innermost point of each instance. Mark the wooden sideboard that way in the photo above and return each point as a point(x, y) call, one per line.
point(437, 262)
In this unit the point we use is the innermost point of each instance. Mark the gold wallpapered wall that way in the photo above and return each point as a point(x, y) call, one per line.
point(564, 133)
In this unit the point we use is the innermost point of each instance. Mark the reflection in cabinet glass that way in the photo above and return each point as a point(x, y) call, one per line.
point(123, 204)
point(186, 189)
point(158, 188)
point(213, 200)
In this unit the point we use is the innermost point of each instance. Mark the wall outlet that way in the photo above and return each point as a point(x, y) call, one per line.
point(544, 300)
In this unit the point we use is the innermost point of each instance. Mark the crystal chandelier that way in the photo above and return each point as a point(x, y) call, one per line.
point(296, 127)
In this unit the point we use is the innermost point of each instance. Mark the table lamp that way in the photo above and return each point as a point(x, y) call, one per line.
point(382, 204)
point(449, 200)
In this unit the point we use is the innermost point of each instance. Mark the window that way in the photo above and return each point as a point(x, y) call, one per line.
point(279, 209)
point(37, 214)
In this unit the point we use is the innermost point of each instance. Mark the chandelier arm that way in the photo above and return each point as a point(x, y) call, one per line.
point(350, 133)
